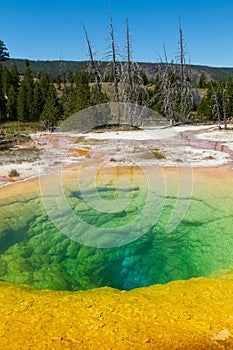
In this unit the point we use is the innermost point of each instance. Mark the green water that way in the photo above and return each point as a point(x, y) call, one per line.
point(33, 251)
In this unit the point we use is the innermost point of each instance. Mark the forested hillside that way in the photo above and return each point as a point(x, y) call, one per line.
point(56, 68)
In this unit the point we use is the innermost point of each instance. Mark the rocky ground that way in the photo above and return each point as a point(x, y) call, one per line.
point(205, 146)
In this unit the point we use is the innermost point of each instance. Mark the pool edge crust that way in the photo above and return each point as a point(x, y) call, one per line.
point(192, 314)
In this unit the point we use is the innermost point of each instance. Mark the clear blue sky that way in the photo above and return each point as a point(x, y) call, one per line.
point(49, 29)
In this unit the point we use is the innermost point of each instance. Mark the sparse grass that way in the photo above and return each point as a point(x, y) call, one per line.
point(13, 173)
point(88, 141)
point(158, 155)
point(9, 137)
point(12, 127)
point(155, 154)
point(80, 139)
point(23, 151)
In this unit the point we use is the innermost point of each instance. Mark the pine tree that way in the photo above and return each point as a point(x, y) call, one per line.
point(70, 104)
point(25, 96)
point(52, 110)
point(44, 82)
point(203, 81)
point(25, 104)
point(214, 105)
point(6, 80)
point(97, 96)
point(2, 105)
point(29, 82)
point(4, 54)
point(38, 102)
point(79, 96)
point(82, 91)
point(22, 111)
point(11, 105)
point(15, 77)
point(70, 78)
point(229, 97)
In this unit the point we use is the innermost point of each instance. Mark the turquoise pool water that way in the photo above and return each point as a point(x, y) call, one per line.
point(34, 251)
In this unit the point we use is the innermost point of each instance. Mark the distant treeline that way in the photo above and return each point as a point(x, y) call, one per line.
point(55, 69)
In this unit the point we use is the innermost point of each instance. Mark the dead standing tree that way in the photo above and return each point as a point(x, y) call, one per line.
point(224, 102)
point(129, 60)
point(186, 96)
point(115, 69)
point(175, 87)
point(132, 88)
point(219, 104)
point(169, 95)
point(129, 86)
point(216, 106)
point(168, 89)
point(94, 68)
point(182, 77)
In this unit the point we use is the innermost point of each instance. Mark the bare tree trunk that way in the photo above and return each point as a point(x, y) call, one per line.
point(129, 96)
point(93, 63)
point(114, 69)
point(168, 90)
point(129, 61)
point(217, 107)
point(182, 65)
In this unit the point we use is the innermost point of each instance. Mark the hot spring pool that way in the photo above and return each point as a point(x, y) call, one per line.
point(33, 251)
